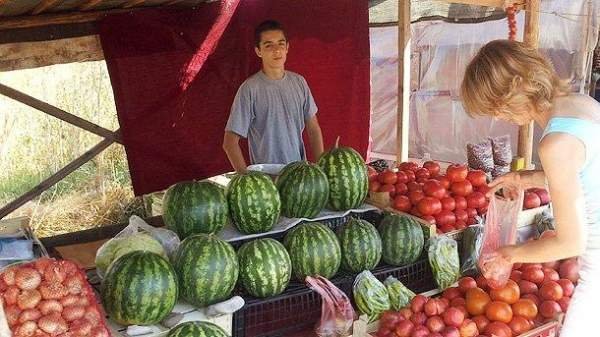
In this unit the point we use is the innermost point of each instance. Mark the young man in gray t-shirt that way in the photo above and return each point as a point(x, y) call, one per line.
point(272, 108)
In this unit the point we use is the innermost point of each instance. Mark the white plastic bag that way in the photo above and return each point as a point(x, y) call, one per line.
point(138, 235)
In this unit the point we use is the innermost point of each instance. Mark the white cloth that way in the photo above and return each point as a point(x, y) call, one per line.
point(582, 315)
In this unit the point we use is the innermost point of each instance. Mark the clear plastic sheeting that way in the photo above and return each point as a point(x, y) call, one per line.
point(440, 53)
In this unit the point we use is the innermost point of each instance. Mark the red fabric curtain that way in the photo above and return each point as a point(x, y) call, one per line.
point(172, 125)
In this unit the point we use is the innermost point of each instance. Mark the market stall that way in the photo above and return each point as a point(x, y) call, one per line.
point(241, 252)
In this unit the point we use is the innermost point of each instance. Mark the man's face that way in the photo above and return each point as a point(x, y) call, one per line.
point(272, 49)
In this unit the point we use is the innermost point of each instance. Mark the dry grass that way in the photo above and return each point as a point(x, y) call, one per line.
point(34, 145)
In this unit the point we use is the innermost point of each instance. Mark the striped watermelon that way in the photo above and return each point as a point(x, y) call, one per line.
point(265, 267)
point(139, 288)
point(314, 250)
point(207, 268)
point(195, 207)
point(347, 175)
point(253, 202)
point(402, 239)
point(197, 329)
point(361, 246)
point(304, 190)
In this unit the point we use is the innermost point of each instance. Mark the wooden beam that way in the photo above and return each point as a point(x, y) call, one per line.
point(403, 112)
point(485, 3)
point(59, 113)
point(531, 38)
point(45, 5)
point(133, 3)
point(89, 4)
point(172, 2)
point(26, 55)
point(55, 178)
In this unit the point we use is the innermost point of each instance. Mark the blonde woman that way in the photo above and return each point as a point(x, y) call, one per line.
point(511, 82)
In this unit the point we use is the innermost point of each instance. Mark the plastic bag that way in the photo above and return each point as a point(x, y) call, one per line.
point(500, 230)
point(480, 156)
point(502, 150)
point(138, 235)
point(444, 260)
point(400, 295)
point(337, 314)
point(472, 240)
point(370, 295)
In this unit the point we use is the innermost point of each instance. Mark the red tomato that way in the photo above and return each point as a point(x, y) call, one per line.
point(372, 173)
point(374, 186)
point(429, 218)
point(462, 188)
point(444, 181)
point(567, 287)
point(445, 218)
point(484, 189)
point(388, 188)
point(460, 201)
point(401, 177)
point(498, 329)
point(531, 200)
point(475, 200)
point(448, 204)
point(415, 196)
point(410, 175)
point(549, 309)
point(433, 188)
point(471, 212)
point(429, 206)
point(422, 173)
point(402, 203)
point(401, 188)
point(461, 214)
point(414, 211)
point(414, 186)
point(477, 178)
point(446, 228)
point(387, 177)
point(460, 224)
point(551, 290)
point(432, 167)
point(408, 166)
point(456, 172)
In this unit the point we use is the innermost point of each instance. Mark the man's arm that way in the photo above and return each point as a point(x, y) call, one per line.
point(231, 145)
point(315, 137)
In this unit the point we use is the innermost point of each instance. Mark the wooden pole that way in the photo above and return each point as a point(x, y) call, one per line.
point(55, 178)
point(403, 112)
point(531, 38)
point(59, 113)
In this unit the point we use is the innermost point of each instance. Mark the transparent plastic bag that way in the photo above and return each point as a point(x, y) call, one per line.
point(500, 230)
point(471, 248)
point(370, 295)
point(138, 235)
point(337, 314)
point(400, 295)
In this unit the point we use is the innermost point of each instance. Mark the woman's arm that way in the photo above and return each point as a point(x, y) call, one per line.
point(562, 157)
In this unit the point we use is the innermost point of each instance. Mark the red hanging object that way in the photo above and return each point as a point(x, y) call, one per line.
point(512, 22)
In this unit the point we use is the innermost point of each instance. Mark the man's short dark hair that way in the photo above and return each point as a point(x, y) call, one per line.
point(266, 26)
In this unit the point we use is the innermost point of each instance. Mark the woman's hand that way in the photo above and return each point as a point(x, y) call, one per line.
point(510, 183)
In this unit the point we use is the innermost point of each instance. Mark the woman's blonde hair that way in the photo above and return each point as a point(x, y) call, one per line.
point(506, 77)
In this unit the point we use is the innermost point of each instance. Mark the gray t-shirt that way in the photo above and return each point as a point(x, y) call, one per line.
point(271, 114)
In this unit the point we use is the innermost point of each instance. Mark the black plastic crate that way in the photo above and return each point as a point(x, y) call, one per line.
point(299, 307)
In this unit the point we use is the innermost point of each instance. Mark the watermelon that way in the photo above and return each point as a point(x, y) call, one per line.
point(140, 287)
point(195, 207)
point(265, 267)
point(207, 268)
point(304, 190)
point(444, 260)
point(370, 295)
point(314, 250)
point(402, 239)
point(254, 202)
point(347, 175)
point(361, 246)
point(197, 329)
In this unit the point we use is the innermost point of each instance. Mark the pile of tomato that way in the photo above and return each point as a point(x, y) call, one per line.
point(535, 294)
point(451, 200)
